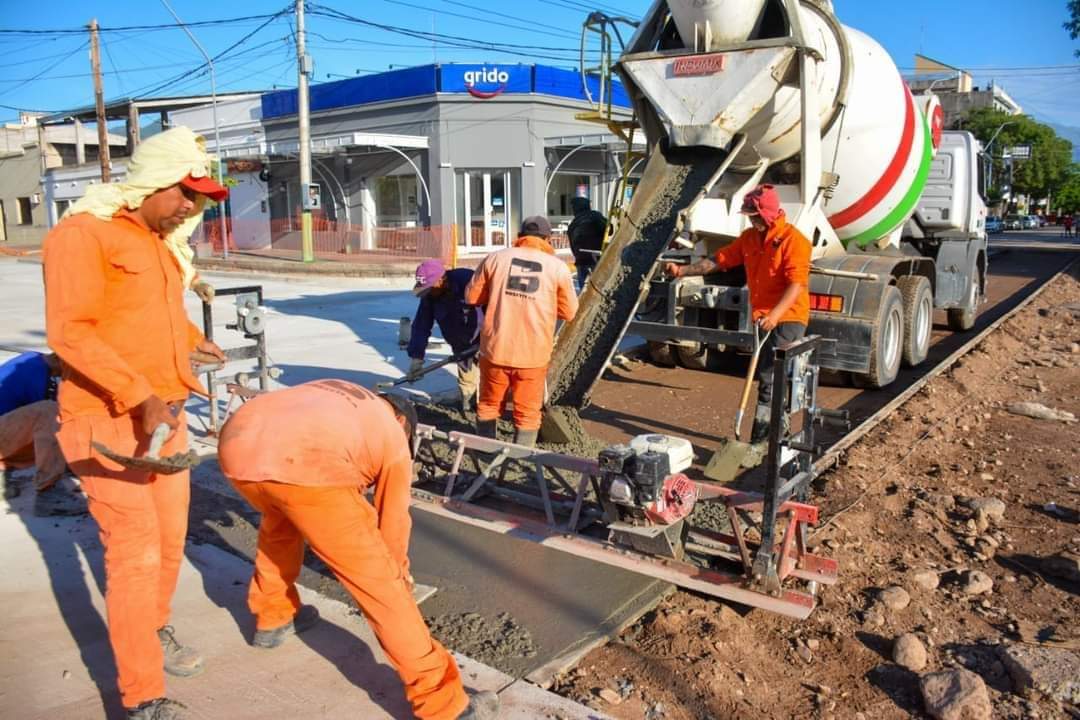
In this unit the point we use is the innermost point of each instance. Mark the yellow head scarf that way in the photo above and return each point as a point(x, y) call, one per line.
point(158, 162)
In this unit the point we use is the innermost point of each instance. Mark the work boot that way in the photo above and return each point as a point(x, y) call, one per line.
point(63, 498)
point(305, 618)
point(525, 437)
point(482, 706)
point(759, 432)
point(12, 487)
point(488, 428)
point(160, 709)
point(180, 661)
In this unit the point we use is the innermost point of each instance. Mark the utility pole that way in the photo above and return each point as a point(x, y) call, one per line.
point(303, 66)
point(99, 102)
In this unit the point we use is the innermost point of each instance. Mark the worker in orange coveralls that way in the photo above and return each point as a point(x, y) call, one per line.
point(309, 484)
point(115, 316)
point(777, 260)
point(524, 290)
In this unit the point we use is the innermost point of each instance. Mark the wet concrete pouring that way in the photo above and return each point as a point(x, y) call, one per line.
point(531, 611)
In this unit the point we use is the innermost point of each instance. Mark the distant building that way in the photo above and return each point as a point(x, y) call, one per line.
point(25, 213)
point(957, 91)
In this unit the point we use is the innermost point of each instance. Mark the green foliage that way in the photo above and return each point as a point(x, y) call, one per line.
point(1073, 24)
point(1050, 164)
point(1068, 197)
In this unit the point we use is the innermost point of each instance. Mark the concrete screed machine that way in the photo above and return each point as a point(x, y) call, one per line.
point(730, 94)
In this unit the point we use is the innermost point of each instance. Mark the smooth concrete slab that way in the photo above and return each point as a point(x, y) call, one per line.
point(56, 661)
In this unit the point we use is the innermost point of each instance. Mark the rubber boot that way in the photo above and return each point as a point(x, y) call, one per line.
point(487, 428)
point(759, 433)
point(525, 437)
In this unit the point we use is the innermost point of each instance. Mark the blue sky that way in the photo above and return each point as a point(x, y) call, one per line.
point(1019, 45)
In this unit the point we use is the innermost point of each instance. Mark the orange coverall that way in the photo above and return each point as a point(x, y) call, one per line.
point(304, 457)
point(524, 290)
point(115, 316)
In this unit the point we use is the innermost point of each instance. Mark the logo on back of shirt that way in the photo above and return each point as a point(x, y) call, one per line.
point(523, 279)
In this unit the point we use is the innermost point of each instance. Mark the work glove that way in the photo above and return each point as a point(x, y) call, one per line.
point(415, 366)
point(204, 290)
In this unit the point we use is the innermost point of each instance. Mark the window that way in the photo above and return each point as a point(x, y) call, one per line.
point(61, 207)
point(26, 215)
point(396, 201)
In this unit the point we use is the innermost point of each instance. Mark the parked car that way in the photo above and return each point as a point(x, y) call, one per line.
point(994, 225)
point(1030, 222)
point(1043, 220)
point(1014, 222)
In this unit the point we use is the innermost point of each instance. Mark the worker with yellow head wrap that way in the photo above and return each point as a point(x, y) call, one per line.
point(116, 268)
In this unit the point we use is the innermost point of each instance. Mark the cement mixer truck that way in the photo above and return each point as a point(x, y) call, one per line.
point(733, 93)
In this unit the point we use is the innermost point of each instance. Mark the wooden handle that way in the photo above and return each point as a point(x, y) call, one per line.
point(157, 440)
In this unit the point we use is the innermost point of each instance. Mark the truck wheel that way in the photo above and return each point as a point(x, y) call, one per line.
point(661, 353)
point(918, 317)
point(963, 318)
point(886, 342)
point(693, 357)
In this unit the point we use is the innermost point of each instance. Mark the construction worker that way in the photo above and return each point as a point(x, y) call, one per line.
point(28, 420)
point(523, 290)
point(115, 317)
point(310, 484)
point(442, 301)
point(586, 234)
point(777, 260)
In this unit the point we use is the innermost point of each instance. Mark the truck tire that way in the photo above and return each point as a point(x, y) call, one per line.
point(962, 319)
point(693, 357)
point(661, 353)
point(918, 317)
point(886, 342)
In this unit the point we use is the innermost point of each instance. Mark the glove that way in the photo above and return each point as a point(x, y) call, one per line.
point(415, 366)
point(204, 290)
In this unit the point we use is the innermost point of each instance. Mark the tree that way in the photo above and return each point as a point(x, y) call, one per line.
point(1050, 164)
point(1068, 197)
point(1073, 24)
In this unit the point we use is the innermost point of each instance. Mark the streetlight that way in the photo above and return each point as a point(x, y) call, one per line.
point(217, 132)
point(990, 156)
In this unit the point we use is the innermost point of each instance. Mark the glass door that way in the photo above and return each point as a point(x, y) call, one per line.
point(487, 210)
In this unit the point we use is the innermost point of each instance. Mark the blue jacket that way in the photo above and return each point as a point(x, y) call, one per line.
point(457, 321)
point(24, 379)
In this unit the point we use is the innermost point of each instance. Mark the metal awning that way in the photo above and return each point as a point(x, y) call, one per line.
point(330, 143)
point(596, 139)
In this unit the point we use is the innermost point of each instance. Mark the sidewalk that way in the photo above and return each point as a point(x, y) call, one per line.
point(57, 662)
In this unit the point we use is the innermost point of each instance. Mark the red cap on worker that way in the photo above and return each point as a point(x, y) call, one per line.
point(762, 201)
point(207, 186)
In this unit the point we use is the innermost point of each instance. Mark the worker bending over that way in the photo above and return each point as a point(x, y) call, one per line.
point(28, 420)
point(777, 260)
point(442, 301)
point(523, 290)
point(309, 483)
point(115, 315)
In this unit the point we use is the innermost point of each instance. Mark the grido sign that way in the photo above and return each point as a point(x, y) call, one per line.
point(477, 82)
point(485, 81)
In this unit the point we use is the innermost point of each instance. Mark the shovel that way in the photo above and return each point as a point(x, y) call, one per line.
point(150, 462)
point(727, 461)
point(463, 355)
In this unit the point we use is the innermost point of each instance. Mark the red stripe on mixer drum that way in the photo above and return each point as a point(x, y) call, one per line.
point(892, 173)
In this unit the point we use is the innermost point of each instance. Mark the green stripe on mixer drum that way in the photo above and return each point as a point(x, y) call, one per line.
point(908, 202)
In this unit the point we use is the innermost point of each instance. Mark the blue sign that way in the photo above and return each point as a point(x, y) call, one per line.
point(485, 81)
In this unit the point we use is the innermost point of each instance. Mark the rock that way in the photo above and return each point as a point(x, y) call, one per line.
point(1040, 412)
point(894, 598)
point(1064, 565)
point(976, 582)
point(873, 619)
point(813, 643)
point(926, 580)
point(908, 652)
point(1052, 672)
point(994, 508)
point(955, 695)
point(609, 696)
point(66, 674)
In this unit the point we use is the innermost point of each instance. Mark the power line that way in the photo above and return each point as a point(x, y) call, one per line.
point(525, 28)
point(83, 46)
point(128, 28)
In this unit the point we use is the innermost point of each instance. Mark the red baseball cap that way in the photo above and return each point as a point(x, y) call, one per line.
point(762, 201)
point(207, 186)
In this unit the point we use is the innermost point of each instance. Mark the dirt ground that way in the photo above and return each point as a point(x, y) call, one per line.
point(897, 511)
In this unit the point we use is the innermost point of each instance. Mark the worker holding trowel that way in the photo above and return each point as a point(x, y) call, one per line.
point(442, 301)
point(115, 316)
point(523, 290)
point(310, 485)
point(777, 261)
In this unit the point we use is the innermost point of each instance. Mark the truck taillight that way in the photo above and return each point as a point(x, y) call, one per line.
point(826, 303)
